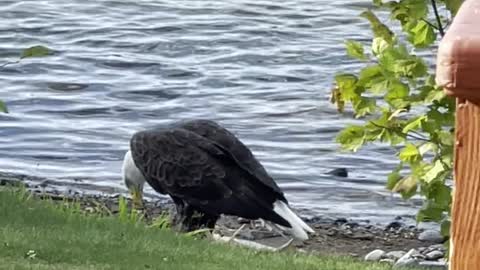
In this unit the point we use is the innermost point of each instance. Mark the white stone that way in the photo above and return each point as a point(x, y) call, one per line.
point(409, 262)
point(407, 259)
point(431, 236)
point(375, 255)
point(434, 255)
point(434, 265)
point(389, 261)
point(440, 247)
point(395, 255)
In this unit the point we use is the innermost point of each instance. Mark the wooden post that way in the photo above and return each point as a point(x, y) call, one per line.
point(458, 71)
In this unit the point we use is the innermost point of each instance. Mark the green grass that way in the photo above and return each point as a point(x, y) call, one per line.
point(60, 238)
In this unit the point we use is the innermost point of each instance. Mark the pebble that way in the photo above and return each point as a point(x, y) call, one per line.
point(375, 255)
point(433, 265)
point(114, 208)
point(395, 225)
point(257, 234)
point(363, 236)
point(434, 255)
point(395, 255)
point(241, 220)
point(331, 232)
point(352, 224)
point(340, 221)
point(440, 247)
point(245, 234)
point(418, 256)
point(431, 236)
point(389, 261)
point(407, 260)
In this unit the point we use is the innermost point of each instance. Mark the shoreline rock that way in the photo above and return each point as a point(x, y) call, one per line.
point(432, 257)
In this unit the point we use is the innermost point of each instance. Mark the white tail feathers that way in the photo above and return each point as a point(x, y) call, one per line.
point(299, 227)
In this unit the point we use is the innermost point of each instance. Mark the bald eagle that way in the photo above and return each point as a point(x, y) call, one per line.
point(207, 171)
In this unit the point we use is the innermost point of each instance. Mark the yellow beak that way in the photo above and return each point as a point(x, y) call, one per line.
point(137, 199)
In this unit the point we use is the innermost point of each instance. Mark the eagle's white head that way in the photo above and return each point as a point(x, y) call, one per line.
point(133, 179)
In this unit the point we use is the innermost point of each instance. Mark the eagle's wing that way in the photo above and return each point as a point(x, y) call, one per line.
point(238, 151)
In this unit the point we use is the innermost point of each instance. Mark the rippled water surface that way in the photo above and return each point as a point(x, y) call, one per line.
point(261, 68)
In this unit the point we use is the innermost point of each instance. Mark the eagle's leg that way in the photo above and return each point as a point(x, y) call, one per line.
point(181, 219)
point(199, 220)
point(188, 219)
point(208, 221)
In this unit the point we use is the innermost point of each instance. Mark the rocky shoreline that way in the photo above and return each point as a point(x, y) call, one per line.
point(396, 243)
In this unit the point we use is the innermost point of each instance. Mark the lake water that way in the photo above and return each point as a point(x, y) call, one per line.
point(262, 68)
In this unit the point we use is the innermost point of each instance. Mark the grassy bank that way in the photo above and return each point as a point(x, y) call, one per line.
point(36, 234)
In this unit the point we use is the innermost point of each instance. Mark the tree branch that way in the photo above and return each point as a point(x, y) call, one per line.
point(431, 24)
point(416, 136)
point(437, 16)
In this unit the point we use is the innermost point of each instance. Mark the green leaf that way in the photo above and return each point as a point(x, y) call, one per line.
point(379, 45)
point(424, 148)
point(430, 212)
point(418, 168)
point(35, 51)
point(434, 171)
point(351, 138)
point(445, 137)
point(378, 85)
point(396, 113)
point(445, 228)
point(3, 107)
point(346, 84)
point(422, 35)
point(409, 153)
point(406, 10)
point(397, 95)
point(384, 130)
point(394, 177)
point(355, 50)
point(441, 194)
point(378, 28)
point(364, 106)
point(407, 186)
point(369, 73)
point(453, 5)
point(417, 9)
point(399, 12)
point(430, 81)
point(397, 90)
point(413, 67)
point(434, 95)
point(416, 123)
point(389, 59)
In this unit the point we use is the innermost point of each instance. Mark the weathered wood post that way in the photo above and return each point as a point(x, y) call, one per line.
point(458, 70)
